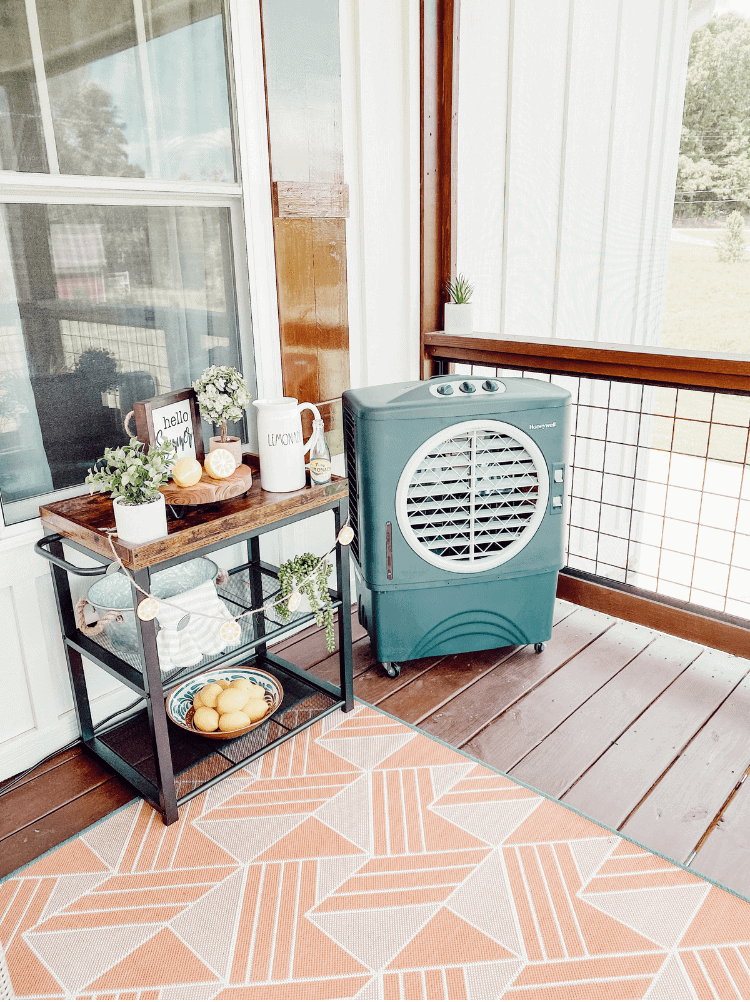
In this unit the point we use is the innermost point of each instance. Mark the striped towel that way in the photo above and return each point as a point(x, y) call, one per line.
point(199, 638)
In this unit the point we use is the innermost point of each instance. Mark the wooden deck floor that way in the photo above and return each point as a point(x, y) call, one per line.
point(646, 733)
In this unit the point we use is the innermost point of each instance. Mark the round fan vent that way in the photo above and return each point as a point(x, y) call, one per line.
point(472, 496)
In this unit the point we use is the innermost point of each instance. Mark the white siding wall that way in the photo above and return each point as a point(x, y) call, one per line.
point(572, 109)
point(381, 88)
point(39, 715)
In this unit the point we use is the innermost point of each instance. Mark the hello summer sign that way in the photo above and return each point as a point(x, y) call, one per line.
point(173, 417)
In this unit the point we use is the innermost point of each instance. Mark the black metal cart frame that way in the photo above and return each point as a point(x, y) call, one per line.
point(167, 751)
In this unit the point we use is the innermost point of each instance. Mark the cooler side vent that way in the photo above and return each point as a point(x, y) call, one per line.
point(350, 452)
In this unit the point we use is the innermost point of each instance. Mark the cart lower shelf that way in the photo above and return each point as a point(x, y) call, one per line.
point(199, 763)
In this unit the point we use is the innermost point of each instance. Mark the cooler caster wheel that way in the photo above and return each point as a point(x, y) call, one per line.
point(539, 648)
point(392, 670)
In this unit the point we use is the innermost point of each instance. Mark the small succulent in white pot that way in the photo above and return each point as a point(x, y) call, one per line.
point(133, 477)
point(458, 309)
point(223, 396)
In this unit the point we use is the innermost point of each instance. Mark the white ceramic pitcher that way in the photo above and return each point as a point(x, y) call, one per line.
point(280, 443)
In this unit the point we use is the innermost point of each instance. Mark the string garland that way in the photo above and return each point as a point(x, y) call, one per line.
point(231, 631)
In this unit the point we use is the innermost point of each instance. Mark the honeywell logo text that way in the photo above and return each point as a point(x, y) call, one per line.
point(536, 427)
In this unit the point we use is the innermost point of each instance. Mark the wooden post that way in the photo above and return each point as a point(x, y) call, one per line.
point(438, 149)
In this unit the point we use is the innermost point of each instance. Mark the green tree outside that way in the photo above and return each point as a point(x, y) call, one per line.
point(714, 165)
point(731, 244)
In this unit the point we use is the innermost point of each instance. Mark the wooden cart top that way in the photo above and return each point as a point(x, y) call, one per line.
point(86, 519)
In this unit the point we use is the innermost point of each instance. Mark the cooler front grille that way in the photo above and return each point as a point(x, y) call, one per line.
point(472, 496)
point(350, 452)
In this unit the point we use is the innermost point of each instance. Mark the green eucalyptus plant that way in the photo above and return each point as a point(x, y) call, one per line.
point(131, 475)
point(292, 575)
point(460, 290)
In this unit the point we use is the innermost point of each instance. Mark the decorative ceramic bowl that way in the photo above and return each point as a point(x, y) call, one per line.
point(180, 699)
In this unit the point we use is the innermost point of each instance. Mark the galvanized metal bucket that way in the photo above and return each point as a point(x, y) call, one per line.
point(113, 593)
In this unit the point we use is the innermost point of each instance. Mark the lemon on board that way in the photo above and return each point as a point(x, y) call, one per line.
point(220, 464)
point(187, 472)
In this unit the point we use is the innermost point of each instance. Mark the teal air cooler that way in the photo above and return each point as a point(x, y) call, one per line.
point(456, 497)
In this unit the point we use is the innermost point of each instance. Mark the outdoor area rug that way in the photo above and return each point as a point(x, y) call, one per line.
point(364, 859)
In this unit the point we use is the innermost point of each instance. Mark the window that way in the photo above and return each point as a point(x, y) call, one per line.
point(708, 288)
point(124, 285)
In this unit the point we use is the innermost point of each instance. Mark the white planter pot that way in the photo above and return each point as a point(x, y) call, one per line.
point(141, 523)
point(458, 318)
point(232, 444)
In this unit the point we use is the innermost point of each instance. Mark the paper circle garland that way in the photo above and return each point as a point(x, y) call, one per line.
point(346, 535)
point(148, 609)
point(294, 600)
point(230, 632)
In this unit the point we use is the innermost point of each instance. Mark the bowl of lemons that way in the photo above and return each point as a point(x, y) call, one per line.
point(224, 703)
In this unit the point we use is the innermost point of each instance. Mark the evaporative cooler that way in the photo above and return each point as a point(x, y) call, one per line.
point(456, 498)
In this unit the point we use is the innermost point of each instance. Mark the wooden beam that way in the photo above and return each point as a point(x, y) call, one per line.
point(659, 612)
point(439, 48)
point(303, 198)
point(301, 52)
point(623, 363)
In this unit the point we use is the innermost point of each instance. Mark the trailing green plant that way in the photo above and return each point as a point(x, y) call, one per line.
point(308, 575)
point(132, 475)
point(222, 395)
point(460, 290)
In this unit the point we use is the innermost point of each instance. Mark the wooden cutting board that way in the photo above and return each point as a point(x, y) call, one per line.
point(208, 490)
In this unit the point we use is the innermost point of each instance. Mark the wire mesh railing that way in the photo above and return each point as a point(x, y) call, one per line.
point(659, 488)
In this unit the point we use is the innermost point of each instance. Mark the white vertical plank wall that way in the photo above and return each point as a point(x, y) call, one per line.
point(536, 128)
point(581, 138)
point(483, 87)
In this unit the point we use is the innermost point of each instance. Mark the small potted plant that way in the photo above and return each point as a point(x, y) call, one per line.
point(133, 477)
point(222, 396)
point(458, 309)
point(305, 576)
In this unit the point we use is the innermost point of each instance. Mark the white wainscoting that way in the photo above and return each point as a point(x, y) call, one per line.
point(38, 715)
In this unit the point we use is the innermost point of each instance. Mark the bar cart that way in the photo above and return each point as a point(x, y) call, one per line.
point(167, 765)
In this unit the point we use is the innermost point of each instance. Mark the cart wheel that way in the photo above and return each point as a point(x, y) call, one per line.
point(392, 669)
point(539, 648)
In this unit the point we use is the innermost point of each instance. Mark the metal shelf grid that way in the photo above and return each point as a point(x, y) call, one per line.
point(237, 595)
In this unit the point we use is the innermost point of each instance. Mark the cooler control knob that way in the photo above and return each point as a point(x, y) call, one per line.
point(467, 387)
point(445, 389)
point(490, 387)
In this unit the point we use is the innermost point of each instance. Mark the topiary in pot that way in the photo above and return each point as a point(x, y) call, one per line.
point(222, 396)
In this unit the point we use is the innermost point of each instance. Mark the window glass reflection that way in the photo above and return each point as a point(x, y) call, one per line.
point(130, 88)
point(101, 306)
point(21, 138)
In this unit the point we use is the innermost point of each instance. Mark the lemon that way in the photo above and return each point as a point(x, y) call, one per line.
point(206, 719)
point(230, 700)
point(255, 709)
point(233, 721)
point(187, 471)
point(220, 464)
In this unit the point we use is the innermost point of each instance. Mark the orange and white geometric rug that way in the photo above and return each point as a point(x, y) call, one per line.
point(363, 859)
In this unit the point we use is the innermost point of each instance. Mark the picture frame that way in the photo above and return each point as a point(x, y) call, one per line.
point(175, 416)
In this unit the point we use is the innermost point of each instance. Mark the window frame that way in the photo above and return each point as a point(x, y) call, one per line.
point(247, 199)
